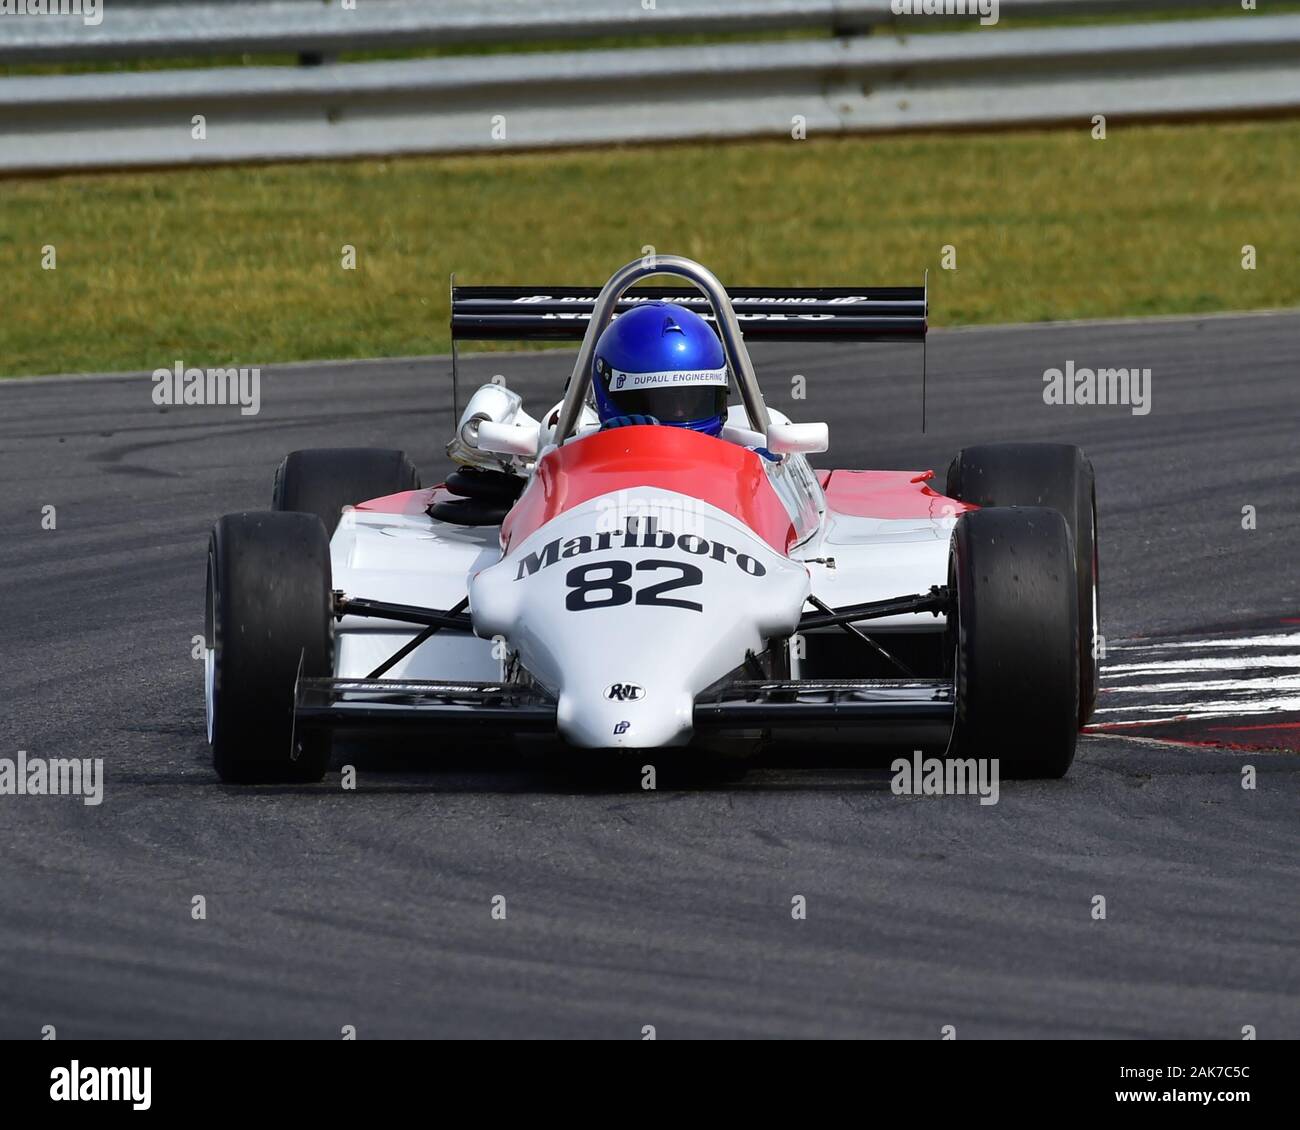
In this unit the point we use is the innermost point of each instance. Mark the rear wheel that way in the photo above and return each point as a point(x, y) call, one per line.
point(268, 622)
point(1060, 476)
point(323, 480)
point(1015, 640)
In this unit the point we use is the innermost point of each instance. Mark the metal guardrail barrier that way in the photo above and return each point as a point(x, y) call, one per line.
point(161, 28)
point(991, 78)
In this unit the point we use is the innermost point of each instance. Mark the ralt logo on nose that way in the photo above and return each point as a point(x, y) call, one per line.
point(625, 692)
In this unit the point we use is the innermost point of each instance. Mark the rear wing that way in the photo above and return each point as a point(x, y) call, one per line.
point(561, 313)
point(565, 313)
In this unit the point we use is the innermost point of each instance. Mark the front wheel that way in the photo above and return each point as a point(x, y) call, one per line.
point(323, 480)
point(1016, 639)
point(268, 623)
point(1058, 475)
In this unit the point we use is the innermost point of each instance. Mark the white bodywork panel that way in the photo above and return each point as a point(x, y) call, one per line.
point(409, 559)
point(879, 558)
point(670, 653)
point(592, 606)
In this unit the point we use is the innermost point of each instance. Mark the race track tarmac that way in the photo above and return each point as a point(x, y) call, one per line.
point(672, 908)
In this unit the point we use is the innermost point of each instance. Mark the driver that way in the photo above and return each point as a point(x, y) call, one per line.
point(660, 364)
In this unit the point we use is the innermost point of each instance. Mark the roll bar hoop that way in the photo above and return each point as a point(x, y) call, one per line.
point(733, 341)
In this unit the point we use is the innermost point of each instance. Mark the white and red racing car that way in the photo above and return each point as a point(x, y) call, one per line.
point(646, 586)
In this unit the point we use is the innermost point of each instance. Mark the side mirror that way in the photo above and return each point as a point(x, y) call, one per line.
point(744, 437)
point(797, 439)
point(508, 439)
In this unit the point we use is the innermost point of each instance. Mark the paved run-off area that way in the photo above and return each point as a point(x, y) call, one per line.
point(624, 908)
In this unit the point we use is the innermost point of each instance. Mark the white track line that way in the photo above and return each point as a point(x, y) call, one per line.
point(1236, 708)
point(1287, 682)
point(1290, 639)
point(1203, 663)
point(1260, 676)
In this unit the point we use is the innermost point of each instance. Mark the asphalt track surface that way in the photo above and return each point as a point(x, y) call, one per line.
point(627, 908)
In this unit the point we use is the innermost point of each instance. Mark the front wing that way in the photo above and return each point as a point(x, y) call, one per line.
point(885, 711)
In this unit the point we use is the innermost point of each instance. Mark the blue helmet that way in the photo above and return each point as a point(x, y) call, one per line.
point(661, 360)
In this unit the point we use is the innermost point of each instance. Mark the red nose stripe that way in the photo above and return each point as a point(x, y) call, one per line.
point(635, 458)
point(887, 494)
point(408, 502)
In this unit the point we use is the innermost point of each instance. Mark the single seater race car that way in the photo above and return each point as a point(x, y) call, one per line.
point(647, 565)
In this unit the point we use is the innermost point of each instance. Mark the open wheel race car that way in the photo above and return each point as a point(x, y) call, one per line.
point(630, 571)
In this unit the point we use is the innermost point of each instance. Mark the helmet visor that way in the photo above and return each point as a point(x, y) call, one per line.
point(673, 396)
